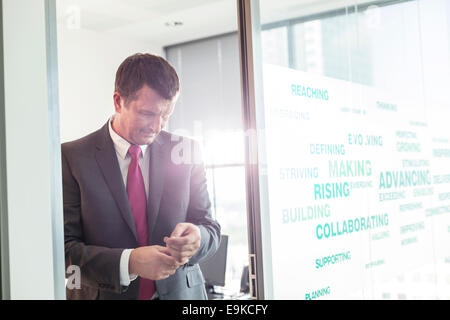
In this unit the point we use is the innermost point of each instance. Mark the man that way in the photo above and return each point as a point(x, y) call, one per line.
point(136, 218)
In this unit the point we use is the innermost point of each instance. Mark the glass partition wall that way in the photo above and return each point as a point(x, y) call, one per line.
point(94, 37)
point(351, 115)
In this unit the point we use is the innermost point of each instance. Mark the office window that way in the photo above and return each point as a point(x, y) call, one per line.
point(209, 110)
point(276, 42)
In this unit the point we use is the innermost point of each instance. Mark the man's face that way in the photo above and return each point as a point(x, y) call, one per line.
point(143, 118)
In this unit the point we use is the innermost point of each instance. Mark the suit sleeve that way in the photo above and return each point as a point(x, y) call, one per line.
point(199, 213)
point(99, 266)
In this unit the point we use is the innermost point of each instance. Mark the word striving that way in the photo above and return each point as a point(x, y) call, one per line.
point(298, 173)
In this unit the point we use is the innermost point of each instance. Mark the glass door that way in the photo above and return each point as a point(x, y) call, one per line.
point(353, 148)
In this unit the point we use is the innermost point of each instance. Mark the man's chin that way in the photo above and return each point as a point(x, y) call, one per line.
point(147, 140)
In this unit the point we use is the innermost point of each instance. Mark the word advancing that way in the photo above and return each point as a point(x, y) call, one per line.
point(317, 294)
point(302, 91)
point(333, 259)
point(351, 225)
point(399, 179)
point(331, 190)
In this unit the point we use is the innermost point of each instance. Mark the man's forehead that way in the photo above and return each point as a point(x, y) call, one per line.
point(158, 106)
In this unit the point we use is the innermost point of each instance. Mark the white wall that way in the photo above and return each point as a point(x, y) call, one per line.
point(88, 61)
point(30, 154)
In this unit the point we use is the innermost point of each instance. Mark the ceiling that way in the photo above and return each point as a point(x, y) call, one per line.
point(145, 20)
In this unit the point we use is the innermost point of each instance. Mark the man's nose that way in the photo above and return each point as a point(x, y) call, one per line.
point(155, 123)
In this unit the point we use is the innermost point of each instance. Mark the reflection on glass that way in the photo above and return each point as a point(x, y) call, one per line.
point(274, 40)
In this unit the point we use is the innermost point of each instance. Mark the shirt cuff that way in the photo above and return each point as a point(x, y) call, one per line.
point(125, 276)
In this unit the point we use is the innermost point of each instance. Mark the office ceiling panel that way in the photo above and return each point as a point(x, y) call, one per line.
point(166, 7)
point(146, 20)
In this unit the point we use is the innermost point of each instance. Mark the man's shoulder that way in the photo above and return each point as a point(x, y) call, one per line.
point(172, 138)
point(183, 150)
point(83, 143)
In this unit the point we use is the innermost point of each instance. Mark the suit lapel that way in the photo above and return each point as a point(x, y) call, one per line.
point(107, 160)
point(159, 158)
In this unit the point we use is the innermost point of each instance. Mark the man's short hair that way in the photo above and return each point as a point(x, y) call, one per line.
point(146, 69)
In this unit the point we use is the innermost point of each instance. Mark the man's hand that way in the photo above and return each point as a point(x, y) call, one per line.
point(152, 262)
point(183, 242)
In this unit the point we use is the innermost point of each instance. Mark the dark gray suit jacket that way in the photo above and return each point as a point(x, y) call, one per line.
point(98, 223)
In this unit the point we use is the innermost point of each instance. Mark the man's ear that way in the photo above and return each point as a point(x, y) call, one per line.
point(118, 102)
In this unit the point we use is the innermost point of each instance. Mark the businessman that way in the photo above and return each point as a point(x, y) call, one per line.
point(137, 217)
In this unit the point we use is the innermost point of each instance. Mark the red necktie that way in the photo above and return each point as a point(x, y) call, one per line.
point(138, 204)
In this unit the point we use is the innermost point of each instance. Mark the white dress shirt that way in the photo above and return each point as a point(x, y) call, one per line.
point(121, 146)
